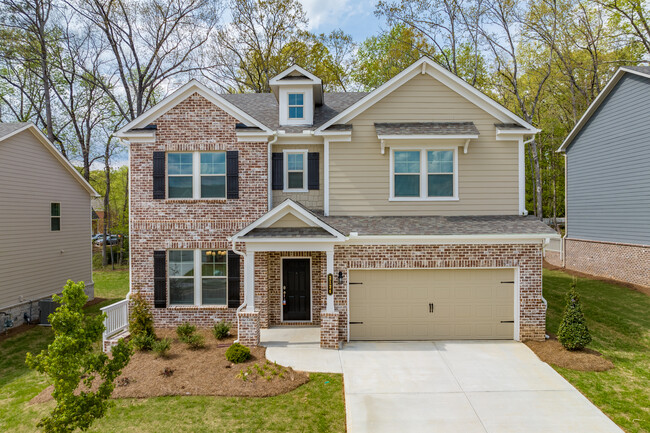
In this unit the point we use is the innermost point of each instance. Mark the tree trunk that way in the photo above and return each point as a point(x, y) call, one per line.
point(537, 177)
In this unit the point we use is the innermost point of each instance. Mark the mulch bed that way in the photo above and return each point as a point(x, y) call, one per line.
point(571, 272)
point(200, 372)
point(552, 352)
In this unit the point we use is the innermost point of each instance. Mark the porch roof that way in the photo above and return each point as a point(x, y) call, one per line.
point(288, 232)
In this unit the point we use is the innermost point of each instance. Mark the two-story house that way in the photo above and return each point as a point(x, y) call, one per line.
point(389, 215)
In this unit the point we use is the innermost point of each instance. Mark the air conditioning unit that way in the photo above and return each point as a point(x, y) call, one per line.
point(47, 307)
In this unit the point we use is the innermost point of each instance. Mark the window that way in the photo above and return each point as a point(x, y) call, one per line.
point(295, 172)
point(214, 280)
point(55, 217)
point(296, 105)
point(179, 175)
point(181, 277)
point(213, 175)
point(196, 175)
point(424, 174)
point(198, 277)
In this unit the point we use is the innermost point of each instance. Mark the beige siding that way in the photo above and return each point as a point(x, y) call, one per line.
point(359, 173)
point(312, 199)
point(289, 220)
point(34, 261)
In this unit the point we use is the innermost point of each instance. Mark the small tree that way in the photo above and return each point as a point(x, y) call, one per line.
point(573, 333)
point(72, 357)
point(141, 320)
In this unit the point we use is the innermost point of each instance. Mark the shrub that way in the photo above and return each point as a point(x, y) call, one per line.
point(195, 341)
point(221, 330)
point(184, 331)
point(141, 319)
point(573, 333)
point(71, 358)
point(238, 353)
point(143, 342)
point(161, 347)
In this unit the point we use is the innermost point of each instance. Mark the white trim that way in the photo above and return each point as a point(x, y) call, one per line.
point(428, 137)
point(449, 239)
point(137, 137)
point(446, 78)
point(276, 81)
point(54, 151)
point(289, 246)
point(197, 278)
point(254, 137)
point(285, 170)
point(180, 95)
point(196, 176)
point(326, 176)
point(517, 305)
point(60, 218)
point(423, 173)
point(521, 155)
point(311, 290)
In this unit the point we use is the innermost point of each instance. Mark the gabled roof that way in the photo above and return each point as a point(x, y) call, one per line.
point(294, 72)
point(8, 130)
point(643, 71)
point(427, 66)
point(179, 96)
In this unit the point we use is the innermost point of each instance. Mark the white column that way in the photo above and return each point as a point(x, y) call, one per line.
point(326, 177)
point(330, 270)
point(249, 281)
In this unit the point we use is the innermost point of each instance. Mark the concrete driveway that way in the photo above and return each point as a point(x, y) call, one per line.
point(467, 386)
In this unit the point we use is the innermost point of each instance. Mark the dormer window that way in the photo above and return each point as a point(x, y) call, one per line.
point(296, 105)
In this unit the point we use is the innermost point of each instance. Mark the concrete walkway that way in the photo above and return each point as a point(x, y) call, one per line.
point(450, 386)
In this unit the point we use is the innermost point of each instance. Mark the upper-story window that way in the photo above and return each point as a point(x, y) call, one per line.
point(55, 217)
point(196, 175)
point(296, 105)
point(295, 175)
point(424, 174)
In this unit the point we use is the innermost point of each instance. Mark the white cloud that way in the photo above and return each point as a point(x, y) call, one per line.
point(329, 14)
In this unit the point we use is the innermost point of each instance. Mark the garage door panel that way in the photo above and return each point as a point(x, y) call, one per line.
point(468, 304)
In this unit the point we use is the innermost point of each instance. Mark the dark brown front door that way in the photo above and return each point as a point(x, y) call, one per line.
point(296, 290)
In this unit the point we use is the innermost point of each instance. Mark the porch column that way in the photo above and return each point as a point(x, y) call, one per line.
point(249, 281)
point(330, 270)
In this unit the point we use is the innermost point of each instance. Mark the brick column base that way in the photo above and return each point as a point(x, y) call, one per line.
point(249, 328)
point(329, 330)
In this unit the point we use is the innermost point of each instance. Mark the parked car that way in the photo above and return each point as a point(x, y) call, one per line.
point(111, 240)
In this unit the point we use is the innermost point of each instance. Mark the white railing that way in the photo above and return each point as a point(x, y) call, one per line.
point(117, 317)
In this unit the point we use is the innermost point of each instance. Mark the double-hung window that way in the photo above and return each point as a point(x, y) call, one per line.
point(196, 175)
point(198, 277)
point(55, 217)
point(424, 174)
point(296, 105)
point(296, 170)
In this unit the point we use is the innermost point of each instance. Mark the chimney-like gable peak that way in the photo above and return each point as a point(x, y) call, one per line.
point(298, 92)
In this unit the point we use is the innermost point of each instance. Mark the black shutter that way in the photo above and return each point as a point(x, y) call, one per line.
point(160, 279)
point(313, 175)
point(234, 268)
point(158, 175)
point(277, 176)
point(232, 174)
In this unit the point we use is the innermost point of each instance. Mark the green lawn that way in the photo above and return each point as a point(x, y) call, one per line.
point(314, 407)
point(619, 320)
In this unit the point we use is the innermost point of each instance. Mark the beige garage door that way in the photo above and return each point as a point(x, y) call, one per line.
point(431, 304)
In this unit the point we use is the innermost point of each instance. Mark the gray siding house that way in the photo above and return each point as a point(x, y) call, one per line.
point(45, 222)
point(608, 182)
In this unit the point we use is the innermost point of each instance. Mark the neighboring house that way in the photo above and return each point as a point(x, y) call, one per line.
point(409, 198)
point(608, 182)
point(45, 222)
point(98, 215)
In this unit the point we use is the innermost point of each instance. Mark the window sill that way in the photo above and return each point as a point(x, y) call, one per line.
point(195, 200)
point(295, 190)
point(423, 199)
point(197, 307)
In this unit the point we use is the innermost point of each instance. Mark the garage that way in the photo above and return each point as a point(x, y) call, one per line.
point(432, 304)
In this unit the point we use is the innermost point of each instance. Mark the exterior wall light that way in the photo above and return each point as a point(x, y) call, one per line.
point(340, 277)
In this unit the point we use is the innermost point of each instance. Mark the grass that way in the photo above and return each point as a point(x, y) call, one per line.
point(315, 407)
point(619, 321)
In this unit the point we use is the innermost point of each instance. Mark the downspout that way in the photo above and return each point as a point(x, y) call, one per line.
point(269, 169)
point(243, 305)
point(546, 242)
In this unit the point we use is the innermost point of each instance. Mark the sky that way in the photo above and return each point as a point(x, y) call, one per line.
point(355, 17)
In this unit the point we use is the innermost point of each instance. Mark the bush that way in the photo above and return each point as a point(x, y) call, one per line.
point(195, 341)
point(143, 342)
point(141, 320)
point(161, 347)
point(573, 333)
point(221, 330)
point(185, 331)
point(238, 353)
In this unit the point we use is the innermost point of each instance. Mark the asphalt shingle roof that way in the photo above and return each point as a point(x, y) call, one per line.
point(642, 69)
point(264, 108)
point(288, 232)
point(431, 128)
point(508, 126)
point(8, 128)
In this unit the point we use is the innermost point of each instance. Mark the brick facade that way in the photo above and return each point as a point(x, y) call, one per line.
point(329, 330)
point(248, 331)
point(622, 262)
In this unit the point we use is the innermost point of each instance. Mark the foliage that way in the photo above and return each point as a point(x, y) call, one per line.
point(238, 353)
point(195, 341)
point(573, 332)
point(143, 342)
point(184, 331)
point(221, 329)
point(162, 347)
point(141, 319)
point(71, 357)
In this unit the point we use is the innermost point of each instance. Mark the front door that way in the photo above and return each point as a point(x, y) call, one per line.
point(296, 289)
